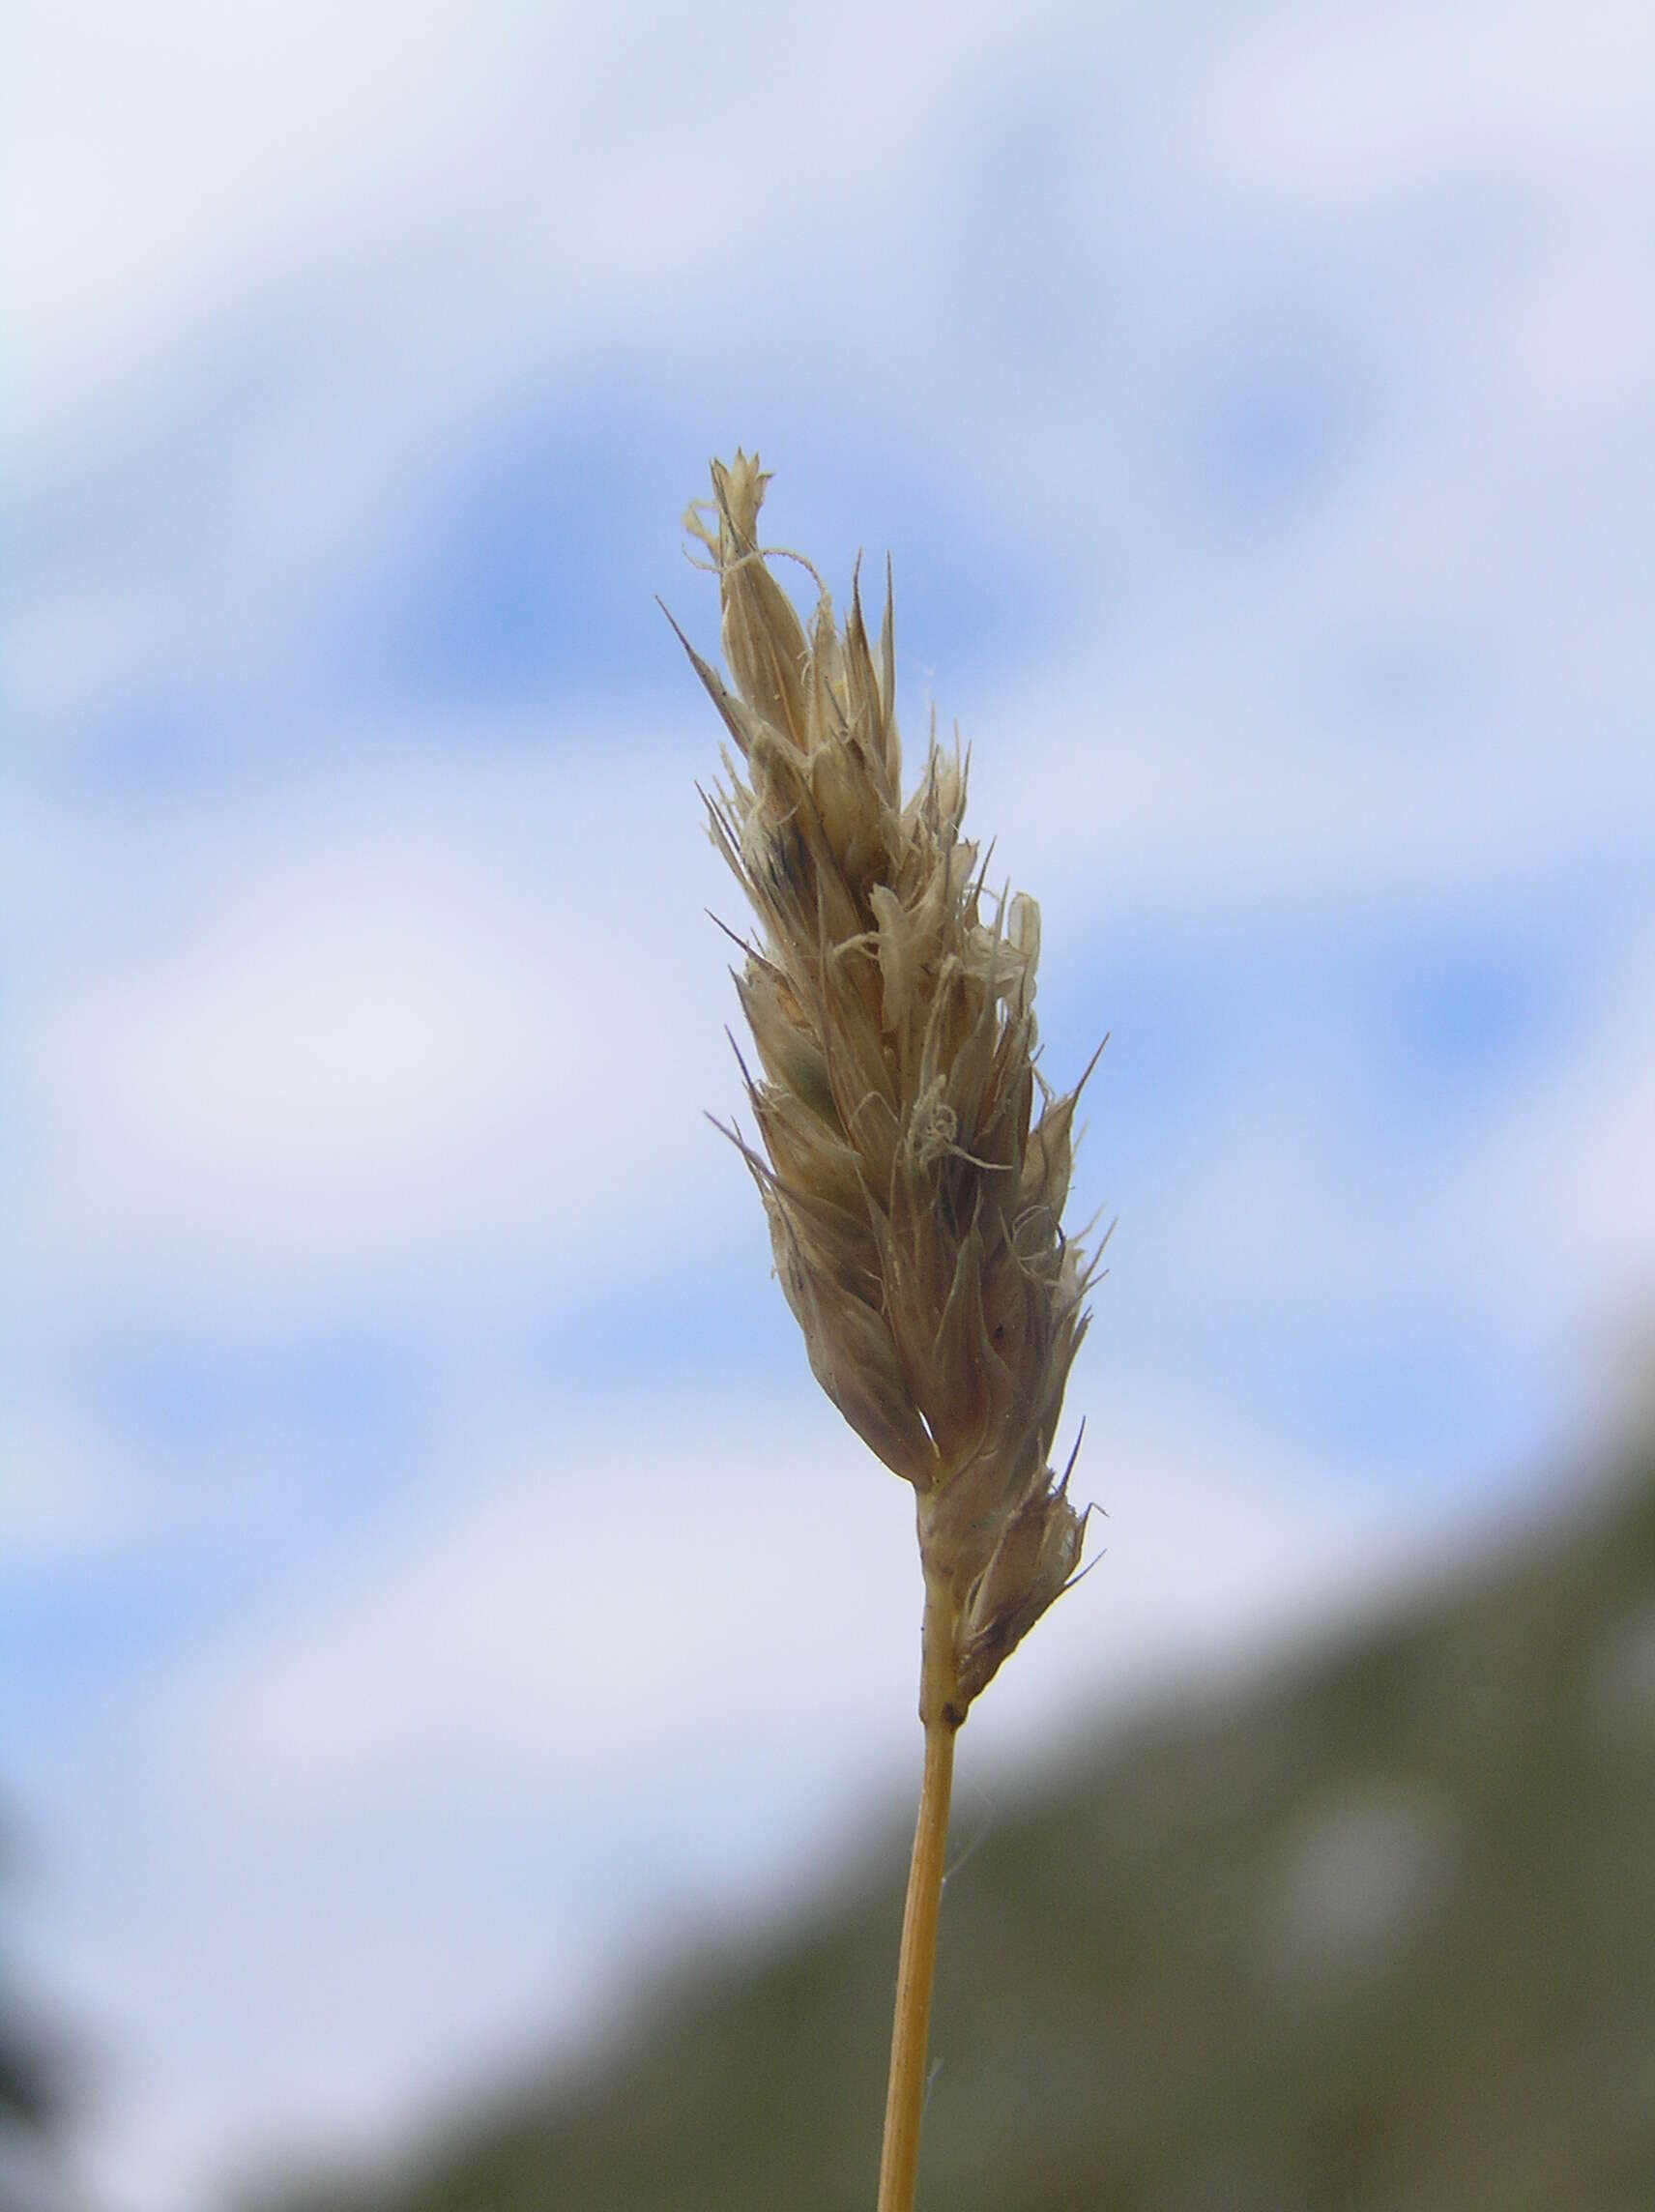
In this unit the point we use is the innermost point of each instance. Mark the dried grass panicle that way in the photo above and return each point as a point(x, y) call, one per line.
point(913, 1198)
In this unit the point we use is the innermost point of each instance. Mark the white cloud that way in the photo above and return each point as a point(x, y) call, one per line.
point(480, 193)
point(59, 1501)
point(437, 1021)
point(1557, 1188)
point(167, 165)
point(1311, 118)
point(587, 1610)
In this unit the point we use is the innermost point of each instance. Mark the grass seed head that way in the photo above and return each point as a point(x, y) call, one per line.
point(914, 1195)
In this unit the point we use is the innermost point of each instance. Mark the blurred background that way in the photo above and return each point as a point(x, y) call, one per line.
point(434, 1593)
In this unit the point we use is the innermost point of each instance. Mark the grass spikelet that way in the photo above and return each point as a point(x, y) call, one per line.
point(913, 1193)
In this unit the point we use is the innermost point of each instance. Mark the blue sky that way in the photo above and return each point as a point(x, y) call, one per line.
point(417, 1517)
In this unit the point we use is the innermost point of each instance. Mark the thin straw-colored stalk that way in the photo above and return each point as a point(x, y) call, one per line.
point(916, 1962)
point(915, 1971)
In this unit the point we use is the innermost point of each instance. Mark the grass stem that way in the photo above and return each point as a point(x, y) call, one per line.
point(905, 2099)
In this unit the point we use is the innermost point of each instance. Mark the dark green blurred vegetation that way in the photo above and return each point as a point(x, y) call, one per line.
point(1375, 1930)
point(33, 2088)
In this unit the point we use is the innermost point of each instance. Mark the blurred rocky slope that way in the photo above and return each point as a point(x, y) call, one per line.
point(1374, 1933)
